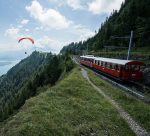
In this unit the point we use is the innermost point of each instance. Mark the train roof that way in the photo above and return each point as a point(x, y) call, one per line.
point(88, 57)
point(115, 61)
point(119, 61)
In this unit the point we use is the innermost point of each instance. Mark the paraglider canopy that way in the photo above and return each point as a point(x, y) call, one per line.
point(26, 38)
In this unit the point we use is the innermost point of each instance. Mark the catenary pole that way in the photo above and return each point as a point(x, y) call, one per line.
point(130, 44)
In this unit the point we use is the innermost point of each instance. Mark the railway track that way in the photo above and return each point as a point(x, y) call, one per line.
point(138, 90)
point(124, 87)
point(133, 88)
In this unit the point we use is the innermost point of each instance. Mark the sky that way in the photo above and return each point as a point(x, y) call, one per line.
point(51, 23)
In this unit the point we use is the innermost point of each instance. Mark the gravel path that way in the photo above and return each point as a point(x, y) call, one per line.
point(137, 129)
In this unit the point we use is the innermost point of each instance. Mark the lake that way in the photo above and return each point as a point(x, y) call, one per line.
point(6, 65)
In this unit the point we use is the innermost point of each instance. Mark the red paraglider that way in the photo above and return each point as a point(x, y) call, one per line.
point(28, 38)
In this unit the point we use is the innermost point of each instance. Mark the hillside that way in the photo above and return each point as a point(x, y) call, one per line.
point(69, 108)
point(133, 15)
point(23, 80)
point(73, 107)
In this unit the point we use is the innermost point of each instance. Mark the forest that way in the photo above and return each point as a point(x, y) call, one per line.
point(25, 79)
point(134, 15)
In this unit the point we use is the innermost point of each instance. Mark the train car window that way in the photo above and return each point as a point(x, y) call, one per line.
point(101, 63)
point(107, 65)
point(116, 67)
point(127, 68)
point(138, 68)
point(119, 67)
point(142, 68)
point(113, 66)
point(135, 68)
point(110, 66)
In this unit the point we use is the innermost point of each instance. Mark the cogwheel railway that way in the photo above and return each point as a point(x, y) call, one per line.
point(132, 87)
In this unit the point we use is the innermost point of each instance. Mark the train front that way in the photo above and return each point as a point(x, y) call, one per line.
point(133, 70)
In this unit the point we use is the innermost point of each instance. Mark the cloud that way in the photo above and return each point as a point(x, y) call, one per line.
point(24, 22)
point(48, 44)
point(83, 32)
point(39, 28)
point(9, 47)
point(75, 4)
point(27, 30)
point(48, 17)
point(104, 6)
point(20, 26)
point(12, 33)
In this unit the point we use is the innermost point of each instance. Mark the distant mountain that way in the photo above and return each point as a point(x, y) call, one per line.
point(133, 15)
point(3, 63)
point(12, 55)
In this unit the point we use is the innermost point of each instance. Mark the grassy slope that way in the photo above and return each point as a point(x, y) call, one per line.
point(137, 109)
point(71, 107)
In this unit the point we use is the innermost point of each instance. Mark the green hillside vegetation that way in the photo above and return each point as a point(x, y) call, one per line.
point(72, 107)
point(139, 110)
point(24, 80)
point(133, 15)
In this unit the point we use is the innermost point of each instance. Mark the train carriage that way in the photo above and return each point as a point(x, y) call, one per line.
point(87, 60)
point(122, 69)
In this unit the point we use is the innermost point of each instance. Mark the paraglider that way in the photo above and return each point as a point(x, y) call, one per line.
point(26, 38)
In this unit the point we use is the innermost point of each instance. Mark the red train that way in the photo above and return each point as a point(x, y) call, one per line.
point(122, 69)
